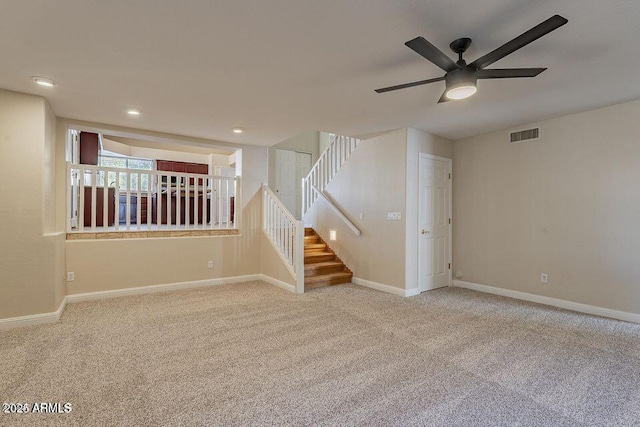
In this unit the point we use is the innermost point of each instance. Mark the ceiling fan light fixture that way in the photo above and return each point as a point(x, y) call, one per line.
point(461, 91)
point(461, 83)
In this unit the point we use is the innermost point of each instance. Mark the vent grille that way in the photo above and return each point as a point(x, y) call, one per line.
point(525, 135)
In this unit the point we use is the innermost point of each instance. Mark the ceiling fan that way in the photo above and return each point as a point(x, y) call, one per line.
point(461, 78)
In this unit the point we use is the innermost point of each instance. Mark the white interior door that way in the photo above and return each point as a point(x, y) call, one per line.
point(434, 214)
point(286, 178)
point(303, 166)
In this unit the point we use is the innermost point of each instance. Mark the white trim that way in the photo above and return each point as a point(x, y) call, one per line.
point(434, 157)
point(568, 305)
point(41, 318)
point(33, 319)
point(55, 234)
point(141, 290)
point(279, 283)
point(386, 288)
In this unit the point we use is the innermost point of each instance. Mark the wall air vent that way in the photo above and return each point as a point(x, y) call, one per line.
point(524, 135)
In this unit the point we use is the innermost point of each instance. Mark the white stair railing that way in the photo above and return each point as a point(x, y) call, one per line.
point(116, 199)
point(285, 233)
point(325, 168)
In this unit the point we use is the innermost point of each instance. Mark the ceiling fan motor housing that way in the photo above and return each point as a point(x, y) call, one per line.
point(464, 76)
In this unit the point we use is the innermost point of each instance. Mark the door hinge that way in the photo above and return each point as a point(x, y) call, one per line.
point(449, 176)
point(449, 220)
point(449, 266)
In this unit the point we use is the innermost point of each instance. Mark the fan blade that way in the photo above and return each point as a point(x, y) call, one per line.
point(444, 98)
point(509, 73)
point(431, 53)
point(522, 40)
point(421, 82)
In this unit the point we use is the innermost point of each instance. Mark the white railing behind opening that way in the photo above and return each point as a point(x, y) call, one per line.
point(102, 199)
point(325, 168)
point(285, 233)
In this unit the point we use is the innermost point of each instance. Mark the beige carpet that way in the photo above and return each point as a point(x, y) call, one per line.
point(252, 354)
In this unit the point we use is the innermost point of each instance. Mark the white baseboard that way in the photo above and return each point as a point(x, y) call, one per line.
point(386, 288)
point(92, 296)
point(411, 292)
point(33, 319)
point(568, 305)
point(279, 283)
point(37, 319)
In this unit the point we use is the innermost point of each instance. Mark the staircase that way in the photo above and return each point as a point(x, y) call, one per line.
point(321, 265)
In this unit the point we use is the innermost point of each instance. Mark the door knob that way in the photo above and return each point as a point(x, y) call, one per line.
point(424, 232)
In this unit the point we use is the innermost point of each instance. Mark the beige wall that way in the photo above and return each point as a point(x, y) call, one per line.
point(372, 181)
point(306, 142)
point(30, 252)
point(324, 140)
point(568, 206)
point(271, 264)
point(418, 142)
point(101, 265)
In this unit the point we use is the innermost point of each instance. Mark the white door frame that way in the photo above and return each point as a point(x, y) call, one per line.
point(450, 163)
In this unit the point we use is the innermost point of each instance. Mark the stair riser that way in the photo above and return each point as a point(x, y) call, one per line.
point(314, 251)
point(334, 281)
point(318, 258)
point(315, 247)
point(322, 271)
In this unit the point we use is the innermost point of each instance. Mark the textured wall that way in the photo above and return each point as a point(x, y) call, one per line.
point(568, 206)
point(29, 260)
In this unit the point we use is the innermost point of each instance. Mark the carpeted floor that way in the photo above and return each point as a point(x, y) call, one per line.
point(252, 354)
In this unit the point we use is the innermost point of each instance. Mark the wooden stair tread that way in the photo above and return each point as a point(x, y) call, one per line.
point(315, 246)
point(327, 280)
point(324, 264)
point(321, 268)
point(314, 257)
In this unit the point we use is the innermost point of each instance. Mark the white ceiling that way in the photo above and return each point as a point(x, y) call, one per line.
point(281, 67)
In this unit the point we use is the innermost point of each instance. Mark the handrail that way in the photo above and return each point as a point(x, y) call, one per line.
point(285, 233)
point(337, 210)
point(328, 164)
point(149, 171)
point(281, 205)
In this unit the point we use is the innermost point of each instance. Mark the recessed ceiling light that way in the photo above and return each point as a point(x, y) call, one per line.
point(134, 112)
point(237, 130)
point(43, 81)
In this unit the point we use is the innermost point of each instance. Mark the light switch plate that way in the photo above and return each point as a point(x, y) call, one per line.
point(394, 216)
